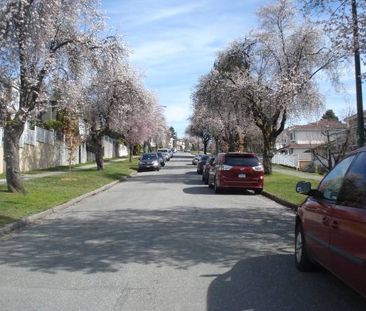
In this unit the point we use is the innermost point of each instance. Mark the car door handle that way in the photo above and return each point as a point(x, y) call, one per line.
point(325, 221)
point(335, 224)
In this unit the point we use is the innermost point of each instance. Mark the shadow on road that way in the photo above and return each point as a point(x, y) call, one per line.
point(179, 237)
point(188, 178)
point(271, 283)
point(204, 189)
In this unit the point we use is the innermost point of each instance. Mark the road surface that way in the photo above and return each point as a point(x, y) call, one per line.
point(163, 241)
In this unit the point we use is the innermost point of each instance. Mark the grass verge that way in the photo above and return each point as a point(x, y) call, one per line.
point(283, 186)
point(44, 193)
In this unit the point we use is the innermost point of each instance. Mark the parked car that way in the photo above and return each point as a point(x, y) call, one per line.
point(161, 158)
point(196, 159)
point(206, 169)
point(330, 226)
point(165, 153)
point(149, 161)
point(201, 162)
point(236, 170)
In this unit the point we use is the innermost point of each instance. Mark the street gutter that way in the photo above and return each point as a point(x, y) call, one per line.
point(288, 204)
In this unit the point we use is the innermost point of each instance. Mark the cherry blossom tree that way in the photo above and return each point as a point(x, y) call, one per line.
point(345, 23)
point(38, 40)
point(274, 70)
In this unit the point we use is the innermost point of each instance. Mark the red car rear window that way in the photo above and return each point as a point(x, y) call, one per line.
point(241, 160)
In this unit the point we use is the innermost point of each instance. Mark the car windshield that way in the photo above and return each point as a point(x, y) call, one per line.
point(241, 161)
point(149, 157)
point(204, 158)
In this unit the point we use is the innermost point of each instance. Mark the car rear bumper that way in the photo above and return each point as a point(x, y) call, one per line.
point(245, 184)
point(148, 167)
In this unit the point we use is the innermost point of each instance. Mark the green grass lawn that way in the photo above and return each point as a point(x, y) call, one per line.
point(47, 192)
point(283, 187)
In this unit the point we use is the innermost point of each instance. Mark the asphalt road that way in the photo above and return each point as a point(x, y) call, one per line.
point(163, 241)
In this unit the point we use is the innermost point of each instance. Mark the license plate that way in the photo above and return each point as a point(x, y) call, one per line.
point(242, 176)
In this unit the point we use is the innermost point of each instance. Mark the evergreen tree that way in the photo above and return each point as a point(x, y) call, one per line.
point(330, 115)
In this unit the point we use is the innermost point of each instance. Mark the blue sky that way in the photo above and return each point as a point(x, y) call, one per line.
point(174, 42)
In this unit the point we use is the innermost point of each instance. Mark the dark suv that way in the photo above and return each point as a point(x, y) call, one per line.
point(236, 170)
point(331, 224)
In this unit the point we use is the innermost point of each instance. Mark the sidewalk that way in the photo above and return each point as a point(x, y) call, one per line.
point(54, 173)
point(299, 174)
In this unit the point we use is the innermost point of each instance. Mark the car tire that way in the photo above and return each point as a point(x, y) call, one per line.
point(302, 259)
point(203, 178)
point(258, 191)
point(216, 188)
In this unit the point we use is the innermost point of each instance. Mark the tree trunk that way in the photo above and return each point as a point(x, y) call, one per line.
point(268, 147)
point(131, 152)
point(217, 145)
point(12, 134)
point(205, 147)
point(98, 149)
point(99, 153)
point(233, 143)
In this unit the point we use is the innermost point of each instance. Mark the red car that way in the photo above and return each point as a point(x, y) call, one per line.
point(331, 224)
point(236, 170)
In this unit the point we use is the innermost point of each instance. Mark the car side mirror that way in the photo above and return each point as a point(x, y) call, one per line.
point(303, 187)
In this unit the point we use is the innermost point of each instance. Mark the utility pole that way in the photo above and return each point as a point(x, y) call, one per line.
point(356, 46)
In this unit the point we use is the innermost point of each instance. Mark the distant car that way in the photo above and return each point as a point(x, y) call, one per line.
point(236, 170)
point(196, 159)
point(165, 152)
point(206, 169)
point(149, 161)
point(330, 226)
point(161, 158)
point(201, 163)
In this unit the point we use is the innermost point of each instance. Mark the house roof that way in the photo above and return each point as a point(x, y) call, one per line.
point(321, 124)
point(354, 116)
point(299, 146)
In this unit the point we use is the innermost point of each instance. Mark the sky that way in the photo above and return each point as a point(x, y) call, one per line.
point(174, 42)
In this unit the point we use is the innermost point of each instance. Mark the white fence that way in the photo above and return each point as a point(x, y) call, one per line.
point(30, 137)
point(40, 149)
point(292, 160)
point(44, 136)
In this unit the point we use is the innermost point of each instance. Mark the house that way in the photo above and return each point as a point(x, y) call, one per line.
point(352, 125)
point(295, 143)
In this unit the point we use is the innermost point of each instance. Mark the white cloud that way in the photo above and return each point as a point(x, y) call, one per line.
point(177, 113)
point(170, 12)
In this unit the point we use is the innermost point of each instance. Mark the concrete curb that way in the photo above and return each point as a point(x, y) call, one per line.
point(280, 201)
point(35, 217)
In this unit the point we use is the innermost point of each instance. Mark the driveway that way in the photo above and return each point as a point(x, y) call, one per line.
point(163, 241)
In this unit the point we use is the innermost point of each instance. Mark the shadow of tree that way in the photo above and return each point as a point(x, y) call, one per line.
point(179, 237)
point(6, 220)
point(272, 282)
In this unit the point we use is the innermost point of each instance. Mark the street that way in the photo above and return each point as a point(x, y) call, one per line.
point(164, 241)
